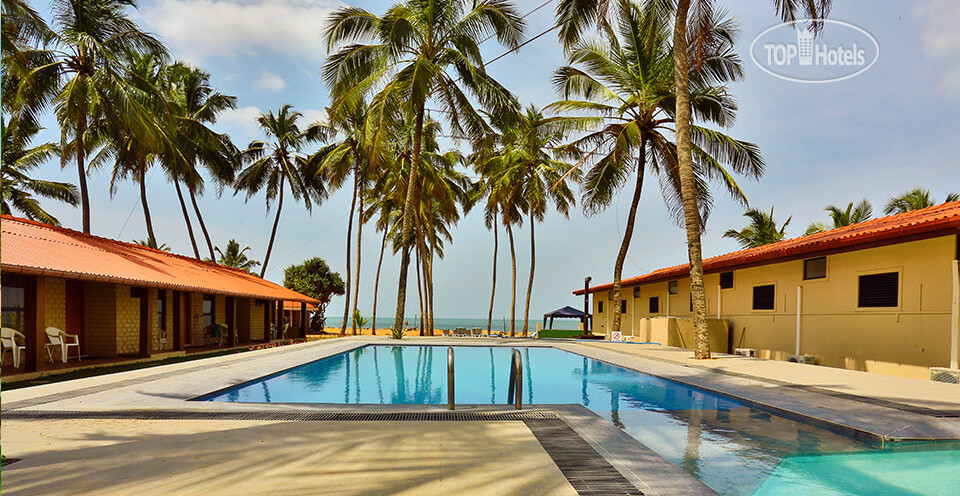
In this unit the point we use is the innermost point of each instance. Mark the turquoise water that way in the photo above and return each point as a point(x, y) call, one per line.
point(735, 449)
point(498, 324)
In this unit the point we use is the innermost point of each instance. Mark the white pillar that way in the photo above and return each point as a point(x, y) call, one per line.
point(955, 319)
point(719, 301)
point(799, 313)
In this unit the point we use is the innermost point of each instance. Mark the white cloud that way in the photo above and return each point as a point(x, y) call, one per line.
point(199, 30)
point(271, 82)
point(244, 118)
point(938, 20)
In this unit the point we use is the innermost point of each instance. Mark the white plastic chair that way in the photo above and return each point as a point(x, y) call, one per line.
point(8, 339)
point(58, 338)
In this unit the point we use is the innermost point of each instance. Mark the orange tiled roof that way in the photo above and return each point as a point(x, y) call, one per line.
point(295, 305)
point(939, 220)
point(35, 248)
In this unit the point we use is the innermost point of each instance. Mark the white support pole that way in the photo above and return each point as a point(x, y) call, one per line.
point(719, 301)
point(799, 313)
point(955, 319)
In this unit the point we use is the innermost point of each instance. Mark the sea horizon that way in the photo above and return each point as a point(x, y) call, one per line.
point(451, 323)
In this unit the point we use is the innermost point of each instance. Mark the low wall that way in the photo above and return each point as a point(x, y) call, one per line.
point(678, 332)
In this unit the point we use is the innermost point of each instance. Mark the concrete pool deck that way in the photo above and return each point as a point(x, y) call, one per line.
point(73, 431)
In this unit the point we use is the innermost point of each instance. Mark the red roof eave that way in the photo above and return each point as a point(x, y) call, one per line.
point(940, 220)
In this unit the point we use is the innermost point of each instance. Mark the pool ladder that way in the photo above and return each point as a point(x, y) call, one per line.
point(514, 389)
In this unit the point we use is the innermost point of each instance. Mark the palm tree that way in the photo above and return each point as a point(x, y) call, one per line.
point(853, 214)
point(194, 104)
point(529, 174)
point(17, 189)
point(91, 37)
point(414, 47)
point(689, 42)
point(337, 162)
point(914, 199)
point(762, 230)
point(152, 244)
point(22, 32)
point(625, 79)
point(273, 165)
point(234, 257)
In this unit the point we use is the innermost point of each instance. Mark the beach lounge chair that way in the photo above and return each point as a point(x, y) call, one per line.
point(59, 339)
point(8, 339)
point(461, 332)
point(214, 332)
point(477, 332)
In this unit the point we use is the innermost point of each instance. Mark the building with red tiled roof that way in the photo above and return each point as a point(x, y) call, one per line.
point(126, 299)
point(880, 295)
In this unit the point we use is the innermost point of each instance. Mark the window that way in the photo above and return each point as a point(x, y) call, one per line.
point(209, 313)
point(623, 306)
point(161, 310)
point(763, 297)
point(600, 307)
point(815, 268)
point(654, 304)
point(636, 292)
point(673, 288)
point(879, 290)
point(726, 280)
point(13, 303)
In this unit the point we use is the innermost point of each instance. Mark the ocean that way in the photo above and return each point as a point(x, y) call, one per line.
point(498, 325)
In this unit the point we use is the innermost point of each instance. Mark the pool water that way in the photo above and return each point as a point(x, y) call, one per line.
point(735, 449)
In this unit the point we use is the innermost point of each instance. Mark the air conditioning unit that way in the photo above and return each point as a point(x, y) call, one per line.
point(807, 359)
point(943, 374)
point(747, 352)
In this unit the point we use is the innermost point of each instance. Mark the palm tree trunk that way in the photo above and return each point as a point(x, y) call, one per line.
point(513, 288)
point(346, 286)
point(419, 286)
point(356, 280)
point(151, 238)
point(273, 233)
point(81, 168)
point(203, 226)
point(428, 273)
point(186, 219)
point(493, 286)
point(376, 282)
point(533, 263)
point(627, 237)
point(688, 192)
point(406, 233)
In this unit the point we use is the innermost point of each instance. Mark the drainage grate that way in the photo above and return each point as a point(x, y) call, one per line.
point(283, 416)
point(584, 468)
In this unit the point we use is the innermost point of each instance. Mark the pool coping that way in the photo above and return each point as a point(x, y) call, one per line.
point(866, 421)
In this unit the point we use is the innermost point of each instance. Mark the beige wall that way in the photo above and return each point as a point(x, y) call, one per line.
point(128, 321)
point(904, 340)
point(249, 320)
point(55, 300)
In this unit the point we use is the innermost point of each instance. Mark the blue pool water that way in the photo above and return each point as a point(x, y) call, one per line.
point(734, 449)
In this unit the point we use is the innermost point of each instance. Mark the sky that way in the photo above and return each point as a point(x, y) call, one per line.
point(875, 135)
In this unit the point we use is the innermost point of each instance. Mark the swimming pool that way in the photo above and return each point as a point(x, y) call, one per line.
point(733, 448)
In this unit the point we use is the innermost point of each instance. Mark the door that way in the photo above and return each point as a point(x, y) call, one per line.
point(74, 312)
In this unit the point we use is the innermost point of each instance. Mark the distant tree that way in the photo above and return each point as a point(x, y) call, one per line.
point(914, 199)
point(152, 243)
point(762, 230)
point(314, 279)
point(234, 257)
point(841, 218)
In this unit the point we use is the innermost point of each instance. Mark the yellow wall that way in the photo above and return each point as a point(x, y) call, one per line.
point(55, 301)
point(905, 340)
point(100, 309)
